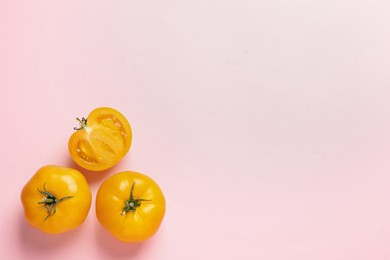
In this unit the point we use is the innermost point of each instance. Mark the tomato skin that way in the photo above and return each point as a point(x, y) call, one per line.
point(103, 139)
point(131, 226)
point(63, 183)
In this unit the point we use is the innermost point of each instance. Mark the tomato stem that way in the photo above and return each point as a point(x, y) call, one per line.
point(50, 201)
point(82, 123)
point(132, 203)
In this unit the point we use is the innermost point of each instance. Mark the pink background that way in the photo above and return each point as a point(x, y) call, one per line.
point(266, 123)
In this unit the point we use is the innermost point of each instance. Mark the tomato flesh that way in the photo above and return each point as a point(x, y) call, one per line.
point(103, 141)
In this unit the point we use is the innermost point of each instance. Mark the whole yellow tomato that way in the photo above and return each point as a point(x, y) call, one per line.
point(56, 199)
point(102, 139)
point(131, 206)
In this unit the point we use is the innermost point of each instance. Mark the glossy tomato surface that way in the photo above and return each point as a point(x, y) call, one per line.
point(102, 139)
point(131, 206)
point(56, 199)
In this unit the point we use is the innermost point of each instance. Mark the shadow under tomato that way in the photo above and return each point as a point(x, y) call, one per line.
point(114, 248)
point(95, 176)
point(33, 240)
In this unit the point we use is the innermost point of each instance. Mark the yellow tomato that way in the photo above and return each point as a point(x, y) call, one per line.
point(56, 199)
point(131, 206)
point(102, 139)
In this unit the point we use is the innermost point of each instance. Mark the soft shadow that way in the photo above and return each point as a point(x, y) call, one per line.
point(114, 248)
point(33, 240)
point(91, 176)
point(94, 176)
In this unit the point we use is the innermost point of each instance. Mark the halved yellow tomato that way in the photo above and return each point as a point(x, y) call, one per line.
point(56, 199)
point(131, 206)
point(102, 139)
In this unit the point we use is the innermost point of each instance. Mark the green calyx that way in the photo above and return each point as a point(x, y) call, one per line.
point(49, 201)
point(132, 203)
point(82, 123)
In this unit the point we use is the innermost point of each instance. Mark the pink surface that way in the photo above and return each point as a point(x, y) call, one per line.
point(266, 123)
